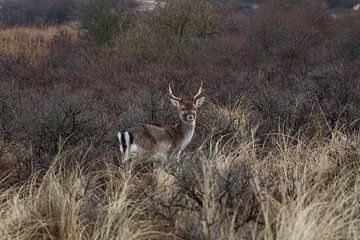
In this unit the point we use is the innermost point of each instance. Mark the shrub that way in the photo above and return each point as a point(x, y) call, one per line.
point(240, 178)
point(6, 119)
point(103, 21)
point(290, 37)
point(187, 20)
point(24, 12)
point(46, 122)
point(349, 37)
point(341, 3)
point(141, 41)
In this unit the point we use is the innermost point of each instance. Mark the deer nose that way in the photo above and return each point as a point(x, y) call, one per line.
point(190, 117)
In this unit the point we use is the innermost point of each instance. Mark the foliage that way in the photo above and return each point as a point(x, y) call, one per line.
point(103, 21)
point(276, 143)
point(25, 12)
point(189, 19)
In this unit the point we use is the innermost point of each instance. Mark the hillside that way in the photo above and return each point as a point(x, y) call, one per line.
point(275, 154)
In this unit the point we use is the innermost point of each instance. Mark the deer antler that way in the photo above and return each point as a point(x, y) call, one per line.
point(199, 92)
point(172, 95)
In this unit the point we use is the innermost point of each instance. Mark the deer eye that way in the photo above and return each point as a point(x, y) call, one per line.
point(182, 109)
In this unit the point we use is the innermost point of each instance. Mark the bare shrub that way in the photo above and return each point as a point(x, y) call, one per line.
point(275, 154)
point(349, 37)
point(103, 21)
point(39, 12)
point(289, 37)
point(46, 121)
point(188, 19)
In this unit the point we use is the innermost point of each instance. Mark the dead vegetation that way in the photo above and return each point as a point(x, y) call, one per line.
point(276, 151)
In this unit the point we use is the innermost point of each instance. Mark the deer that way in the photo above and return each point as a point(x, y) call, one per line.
point(153, 141)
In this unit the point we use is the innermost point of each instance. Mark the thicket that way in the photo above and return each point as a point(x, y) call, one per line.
point(43, 12)
point(297, 67)
point(103, 21)
point(283, 91)
point(37, 12)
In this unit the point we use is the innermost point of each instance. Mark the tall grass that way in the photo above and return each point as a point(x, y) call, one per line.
point(74, 203)
point(30, 44)
point(227, 188)
point(273, 165)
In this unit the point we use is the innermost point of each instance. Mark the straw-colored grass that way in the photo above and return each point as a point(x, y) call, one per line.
point(232, 188)
point(74, 204)
point(30, 44)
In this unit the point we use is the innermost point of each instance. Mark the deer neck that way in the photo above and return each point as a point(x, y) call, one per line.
point(186, 131)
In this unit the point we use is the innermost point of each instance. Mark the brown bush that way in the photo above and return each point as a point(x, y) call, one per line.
point(293, 66)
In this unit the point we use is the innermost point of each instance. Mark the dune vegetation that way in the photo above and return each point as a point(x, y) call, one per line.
point(276, 152)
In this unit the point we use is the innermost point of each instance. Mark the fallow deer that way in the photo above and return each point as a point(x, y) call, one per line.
point(147, 141)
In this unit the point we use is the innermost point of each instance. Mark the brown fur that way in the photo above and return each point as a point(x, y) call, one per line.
point(151, 140)
point(159, 139)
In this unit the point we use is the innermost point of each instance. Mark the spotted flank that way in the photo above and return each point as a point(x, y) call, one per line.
point(126, 140)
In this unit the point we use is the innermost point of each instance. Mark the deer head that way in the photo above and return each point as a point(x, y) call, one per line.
point(187, 109)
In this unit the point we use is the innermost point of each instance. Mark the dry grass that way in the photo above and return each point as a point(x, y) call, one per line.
point(232, 188)
point(75, 204)
point(30, 44)
point(239, 178)
point(315, 189)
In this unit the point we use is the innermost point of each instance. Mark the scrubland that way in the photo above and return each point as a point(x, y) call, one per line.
point(276, 153)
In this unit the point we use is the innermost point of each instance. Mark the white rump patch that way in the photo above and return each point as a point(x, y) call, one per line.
point(133, 148)
point(119, 137)
point(127, 143)
point(128, 147)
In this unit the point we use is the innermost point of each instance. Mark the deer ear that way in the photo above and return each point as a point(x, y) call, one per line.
point(175, 103)
point(199, 102)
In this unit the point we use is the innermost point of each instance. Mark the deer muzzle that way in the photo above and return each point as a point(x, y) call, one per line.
point(190, 118)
